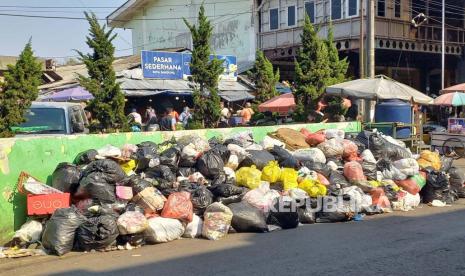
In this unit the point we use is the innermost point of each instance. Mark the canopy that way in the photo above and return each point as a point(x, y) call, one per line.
point(234, 96)
point(281, 104)
point(379, 87)
point(70, 94)
point(451, 99)
point(455, 88)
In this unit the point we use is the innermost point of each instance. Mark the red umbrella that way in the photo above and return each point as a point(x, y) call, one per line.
point(281, 104)
point(455, 88)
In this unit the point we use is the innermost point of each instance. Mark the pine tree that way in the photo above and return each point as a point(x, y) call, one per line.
point(205, 73)
point(107, 107)
point(313, 72)
point(265, 78)
point(19, 89)
point(338, 66)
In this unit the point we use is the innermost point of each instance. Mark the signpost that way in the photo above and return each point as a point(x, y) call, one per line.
point(172, 65)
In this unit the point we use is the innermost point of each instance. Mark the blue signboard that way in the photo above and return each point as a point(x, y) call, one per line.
point(162, 65)
point(170, 65)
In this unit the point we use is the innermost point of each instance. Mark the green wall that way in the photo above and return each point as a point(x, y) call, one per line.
point(40, 155)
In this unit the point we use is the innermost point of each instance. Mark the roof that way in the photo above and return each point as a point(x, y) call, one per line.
point(52, 104)
point(125, 12)
point(455, 88)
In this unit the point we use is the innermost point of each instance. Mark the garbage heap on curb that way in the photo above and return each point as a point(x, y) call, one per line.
point(192, 188)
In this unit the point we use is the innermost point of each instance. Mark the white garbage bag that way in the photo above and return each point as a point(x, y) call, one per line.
point(31, 231)
point(311, 154)
point(194, 228)
point(163, 230)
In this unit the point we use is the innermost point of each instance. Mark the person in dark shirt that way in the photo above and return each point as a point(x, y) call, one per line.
point(167, 123)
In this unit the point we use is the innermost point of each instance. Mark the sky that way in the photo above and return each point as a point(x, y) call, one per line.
point(55, 38)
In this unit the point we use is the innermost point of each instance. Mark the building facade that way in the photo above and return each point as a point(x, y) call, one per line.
point(158, 24)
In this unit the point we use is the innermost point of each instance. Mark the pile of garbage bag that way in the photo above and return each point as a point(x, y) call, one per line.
point(193, 188)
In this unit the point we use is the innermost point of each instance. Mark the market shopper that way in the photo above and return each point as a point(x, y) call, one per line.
point(185, 116)
point(247, 113)
point(135, 117)
point(173, 113)
point(167, 122)
point(225, 115)
point(150, 115)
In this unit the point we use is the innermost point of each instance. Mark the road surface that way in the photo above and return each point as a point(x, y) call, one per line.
point(427, 241)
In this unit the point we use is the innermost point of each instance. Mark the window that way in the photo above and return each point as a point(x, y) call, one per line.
point(310, 10)
point(397, 8)
point(336, 9)
point(44, 120)
point(352, 8)
point(274, 19)
point(381, 9)
point(291, 16)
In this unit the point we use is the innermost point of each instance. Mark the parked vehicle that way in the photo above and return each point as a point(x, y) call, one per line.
point(53, 118)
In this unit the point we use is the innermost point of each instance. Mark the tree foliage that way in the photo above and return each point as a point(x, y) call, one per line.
point(338, 66)
point(18, 90)
point(205, 73)
point(265, 78)
point(107, 107)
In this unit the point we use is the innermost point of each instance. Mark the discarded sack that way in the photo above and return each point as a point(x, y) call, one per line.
point(289, 178)
point(30, 232)
point(353, 171)
point(257, 158)
point(66, 177)
point(248, 177)
point(97, 233)
point(312, 154)
point(210, 164)
point(284, 158)
point(271, 172)
point(194, 228)
point(407, 166)
point(284, 213)
point(332, 148)
point(58, 236)
point(131, 222)
point(178, 206)
point(313, 188)
point(150, 199)
point(163, 230)
point(429, 159)
point(261, 197)
point(457, 180)
point(247, 218)
point(217, 220)
point(201, 199)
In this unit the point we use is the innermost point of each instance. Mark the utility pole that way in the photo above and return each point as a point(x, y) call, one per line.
point(371, 38)
point(443, 43)
point(361, 53)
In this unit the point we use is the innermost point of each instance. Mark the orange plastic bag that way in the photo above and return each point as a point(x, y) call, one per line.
point(350, 150)
point(379, 198)
point(313, 139)
point(409, 185)
point(179, 206)
point(353, 171)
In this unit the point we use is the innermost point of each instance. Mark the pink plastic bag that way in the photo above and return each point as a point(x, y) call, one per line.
point(350, 150)
point(353, 171)
point(179, 206)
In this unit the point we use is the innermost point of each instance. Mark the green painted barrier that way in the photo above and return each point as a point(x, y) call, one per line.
point(39, 155)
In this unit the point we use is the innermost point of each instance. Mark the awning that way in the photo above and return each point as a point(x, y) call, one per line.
point(234, 96)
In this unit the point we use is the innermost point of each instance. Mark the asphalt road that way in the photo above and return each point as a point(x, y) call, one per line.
point(427, 241)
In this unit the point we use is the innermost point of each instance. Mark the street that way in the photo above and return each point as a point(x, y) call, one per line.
point(426, 241)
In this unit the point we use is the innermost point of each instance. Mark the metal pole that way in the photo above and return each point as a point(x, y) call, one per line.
point(443, 43)
point(361, 54)
point(371, 39)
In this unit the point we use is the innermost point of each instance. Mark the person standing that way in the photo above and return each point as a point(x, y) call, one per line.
point(173, 113)
point(150, 114)
point(225, 115)
point(135, 116)
point(167, 123)
point(185, 116)
point(247, 113)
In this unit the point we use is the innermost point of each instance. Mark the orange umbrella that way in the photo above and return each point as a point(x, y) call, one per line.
point(281, 104)
point(455, 88)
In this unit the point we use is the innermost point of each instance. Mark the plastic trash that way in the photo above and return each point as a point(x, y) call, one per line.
point(284, 213)
point(271, 172)
point(268, 143)
point(367, 156)
point(318, 167)
point(201, 199)
point(350, 150)
point(233, 162)
point(59, 233)
point(407, 166)
point(457, 180)
point(323, 180)
point(261, 197)
point(128, 151)
point(146, 156)
point(178, 206)
point(30, 231)
point(284, 158)
point(353, 171)
point(226, 190)
point(110, 171)
point(163, 230)
point(437, 187)
point(150, 199)
point(429, 159)
point(96, 186)
point(247, 218)
point(289, 178)
point(97, 233)
point(312, 154)
point(314, 139)
point(334, 133)
point(194, 228)
point(210, 165)
point(132, 222)
point(370, 170)
point(257, 158)
point(66, 177)
point(249, 177)
point(86, 157)
point(332, 148)
point(217, 220)
point(313, 188)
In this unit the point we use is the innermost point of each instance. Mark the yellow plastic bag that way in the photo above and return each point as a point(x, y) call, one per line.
point(313, 188)
point(128, 167)
point(429, 159)
point(289, 178)
point(249, 177)
point(271, 172)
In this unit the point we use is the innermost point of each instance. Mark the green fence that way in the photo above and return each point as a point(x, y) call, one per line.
point(40, 155)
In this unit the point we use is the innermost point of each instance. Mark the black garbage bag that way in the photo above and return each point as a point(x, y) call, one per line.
point(96, 186)
point(390, 192)
point(247, 218)
point(383, 149)
point(363, 138)
point(86, 157)
point(186, 171)
point(132, 239)
point(306, 215)
point(66, 177)
point(59, 233)
point(284, 158)
point(138, 184)
point(327, 217)
point(284, 214)
point(170, 158)
point(229, 200)
point(321, 168)
point(219, 179)
point(97, 233)
point(201, 198)
point(220, 149)
point(446, 163)
point(133, 207)
point(369, 170)
point(160, 173)
point(257, 158)
point(457, 180)
point(361, 146)
point(226, 190)
point(436, 188)
point(337, 181)
point(146, 156)
point(109, 169)
point(210, 165)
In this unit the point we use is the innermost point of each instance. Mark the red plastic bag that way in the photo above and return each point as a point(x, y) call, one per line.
point(379, 198)
point(353, 171)
point(350, 150)
point(179, 206)
point(409, 185)
point(313, 139)
point(323, 180)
